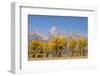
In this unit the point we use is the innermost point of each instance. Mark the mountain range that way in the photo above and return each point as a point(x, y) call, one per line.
point(34, 35)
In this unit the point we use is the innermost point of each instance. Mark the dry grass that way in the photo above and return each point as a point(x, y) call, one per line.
point(58, 58)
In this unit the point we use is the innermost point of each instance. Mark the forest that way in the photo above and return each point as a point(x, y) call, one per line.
point(57, 47)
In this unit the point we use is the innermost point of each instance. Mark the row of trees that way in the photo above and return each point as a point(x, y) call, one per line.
point(56, 47)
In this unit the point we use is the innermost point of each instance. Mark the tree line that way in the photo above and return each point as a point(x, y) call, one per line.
point(56, 46)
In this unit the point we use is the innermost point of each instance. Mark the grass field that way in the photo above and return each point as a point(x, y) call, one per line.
point(58, 58)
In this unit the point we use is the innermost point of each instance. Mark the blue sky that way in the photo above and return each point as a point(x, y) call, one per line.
point(68, 24)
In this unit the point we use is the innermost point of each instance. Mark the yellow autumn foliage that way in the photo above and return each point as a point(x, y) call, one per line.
point(82, 45)
point(82, 42)
point(56, 46)
point(71, 44)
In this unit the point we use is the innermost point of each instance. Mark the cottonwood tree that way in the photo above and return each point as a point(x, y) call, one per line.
point(82, 45)
point(59, 44)
point(71, 46)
